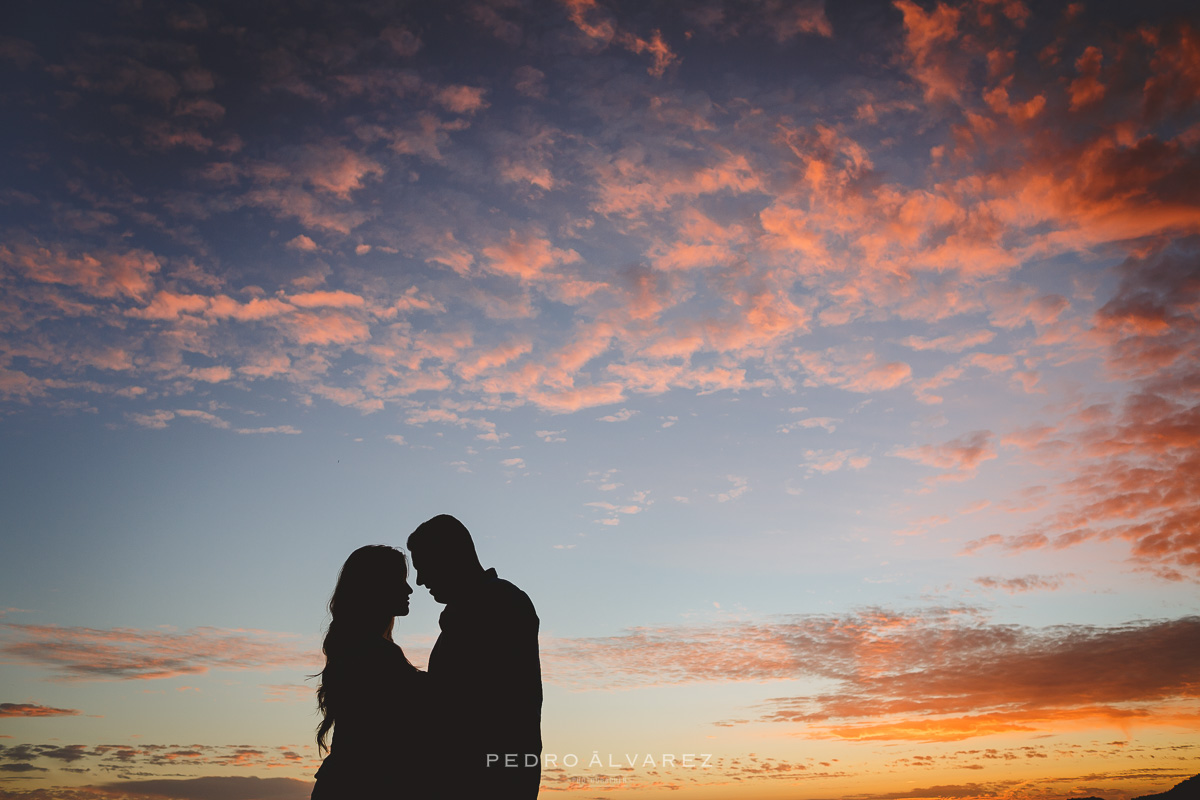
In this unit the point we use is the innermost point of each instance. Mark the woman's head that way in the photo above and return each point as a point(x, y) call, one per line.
point(372, 587)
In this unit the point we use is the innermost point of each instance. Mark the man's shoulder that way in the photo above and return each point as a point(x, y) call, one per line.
point(501, 591)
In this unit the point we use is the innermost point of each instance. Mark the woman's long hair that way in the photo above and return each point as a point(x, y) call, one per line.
point(362, 607)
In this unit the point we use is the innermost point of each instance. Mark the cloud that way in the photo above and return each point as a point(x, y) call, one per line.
point(825, 461)
point(901, 675)
point(403, 42)
point(324, 299)
point(202, 416)
point(928, 36)
point(624, 415)
point(302, 243)
point(207, 788)
point(86, 654)
point(602, 29)
point(612, 512)
point(701, 238)
point(951, 343)
point(154, 419)
point(107, 274)
point(787, 20)
point(216, 788)
point(462, 99)
point(333, 168)
point(530, 81)
point(1025, 583)
point(1087, 88)
point(850, 371)
point(526, 256)
point(829, 424)
point(959, 457)
point(1131, 474)
point(741, 485)
point(34, 710)
point(285, 429)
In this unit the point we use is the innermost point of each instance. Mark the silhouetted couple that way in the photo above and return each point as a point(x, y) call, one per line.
point(468, 728)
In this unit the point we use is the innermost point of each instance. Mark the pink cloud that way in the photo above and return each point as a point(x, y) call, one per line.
point(825, 461)
point(1132, 473)
point(1174, 84)
point(899, 676)
point(302, 243)
point(326, 329)
point(403, 42)
point(335, 169)
point(462, 99)
point(571, 400)
point(959, 458)
point(493, 358)
point(600, 27)
point(83, 654)
point(34, 710)
point(338, 299)
point(102, 274)
point(257, 308)
point(1087, 88)
point(927, 39)
point(527, 256)
point(1024, 583)
point(853, 372)
point(951, 343)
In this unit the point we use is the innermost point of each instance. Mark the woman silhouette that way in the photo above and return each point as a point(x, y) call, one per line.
point(370, 695)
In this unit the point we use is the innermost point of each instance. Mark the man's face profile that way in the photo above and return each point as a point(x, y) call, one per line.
point(431, 574)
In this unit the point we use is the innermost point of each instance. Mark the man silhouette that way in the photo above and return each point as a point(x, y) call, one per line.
point(485, 668)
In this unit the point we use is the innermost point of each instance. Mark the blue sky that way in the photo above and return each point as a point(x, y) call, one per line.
point(826, 375)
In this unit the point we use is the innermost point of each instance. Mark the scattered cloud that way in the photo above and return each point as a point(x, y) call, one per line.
point(624, 415)
point(34, 710)
point(898, 676)
point(1024, 583)
point(92, 654)
point(959, 458)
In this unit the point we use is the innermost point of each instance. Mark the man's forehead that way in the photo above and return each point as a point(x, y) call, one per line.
point(424, 555)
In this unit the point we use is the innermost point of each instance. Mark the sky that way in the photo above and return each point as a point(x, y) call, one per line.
point(827, 375)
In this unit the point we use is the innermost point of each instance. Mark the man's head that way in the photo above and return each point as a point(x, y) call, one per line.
point(444, 557)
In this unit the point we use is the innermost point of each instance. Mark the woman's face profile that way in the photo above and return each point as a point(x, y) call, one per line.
point(404, 591)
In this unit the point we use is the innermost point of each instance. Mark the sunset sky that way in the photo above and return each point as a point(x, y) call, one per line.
point(827, 375)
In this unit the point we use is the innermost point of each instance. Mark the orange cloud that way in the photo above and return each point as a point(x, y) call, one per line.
point(462, 99)
point(326, 329)
point(589, 18)
point(960, 457)
point(334, 168)
point(927, 39)
point(337, 299)
point(902, 676)
point(101, 273)
point(951, 343)
point(527, 256)
point(1025, 583)
point(1133, 474)
point(852, 372)
point(91, 654)
point(1174, 84)
point(34, 710)
point(1087, 88)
